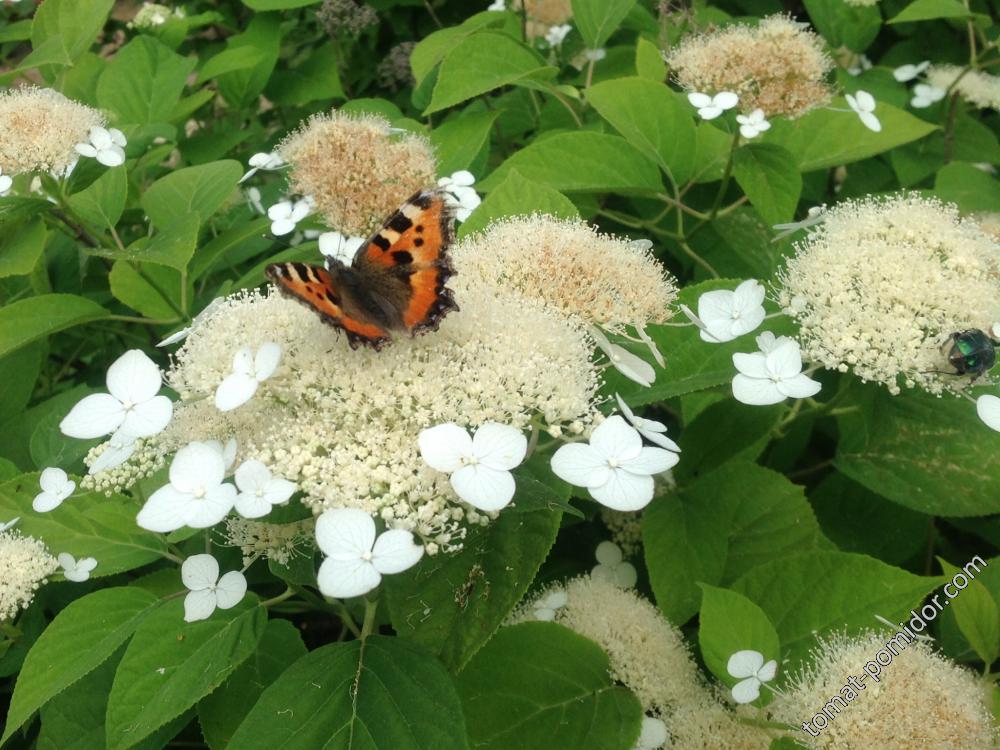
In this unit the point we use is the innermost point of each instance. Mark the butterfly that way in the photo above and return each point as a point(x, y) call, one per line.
point(396, 281)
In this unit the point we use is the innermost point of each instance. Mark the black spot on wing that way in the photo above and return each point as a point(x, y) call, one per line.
point(398, 222)
point(402, 256)
point(418, 242)
point(381, 242)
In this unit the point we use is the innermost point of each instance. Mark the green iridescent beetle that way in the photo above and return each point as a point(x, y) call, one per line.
point(972, 352)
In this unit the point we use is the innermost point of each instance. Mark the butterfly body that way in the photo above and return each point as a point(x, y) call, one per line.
point(396, 281)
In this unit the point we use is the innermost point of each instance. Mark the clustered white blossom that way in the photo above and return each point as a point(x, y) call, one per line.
point(25, 564)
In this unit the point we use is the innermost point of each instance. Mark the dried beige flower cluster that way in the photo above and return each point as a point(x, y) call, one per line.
point(625, 529)
point(975, 86)
point(775, 66)
point(881, 284)
point(921, 699)
point(40, 128)
point(25, 564)
point(542, 15)
point(356, 169)
point(274, 541)
point(597, 278)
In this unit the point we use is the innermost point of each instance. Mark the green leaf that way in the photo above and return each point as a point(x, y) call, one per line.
point(649, 62)
point(750, 431)
point(926, 453)
point(227, 61)
point(70, 24)
point(49, 447)
point(970, 188)
point(538, 686)
point(317, 78)
point(582, 161)
point(729, 622)
point(928, 10)
point(822, 592)
point(652, 119)
point(144, 81)
point(770, 178)
point(77, 641)
point(975, 611)
point(380, 694)
point(170, 665)
point(843, 24)
point(517, 196)
point(432, 49)
point(103, 201)
point(459, 141)
point(16, 31)
point(35, 318)
point(135, 290)
point(18, 375)
point(172, 246)
point(21, 245)
point(825, 138)
point(452, 604)
point(717, 528)
point(482, 62)
point(241, 87)
point(251, 235)
point(596, 20)
point(90, 525)
point(197, 190)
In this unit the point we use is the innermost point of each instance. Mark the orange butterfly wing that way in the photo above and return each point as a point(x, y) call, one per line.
point(314, 286)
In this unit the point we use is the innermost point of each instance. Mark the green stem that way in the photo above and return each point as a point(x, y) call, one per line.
point(371, 609)
point(287, 594)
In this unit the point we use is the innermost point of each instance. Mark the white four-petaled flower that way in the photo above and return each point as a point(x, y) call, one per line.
point(206, 591)
point(259, 489)
point(749, 667)
point(924, 95)
point(461, 194)
point(56, 487)
point(105, 145)
point(249, 371)
point(753, 124)
point(653, 431)
point(480, 465)
point(773, 374)
point(356, 559)
point(75, 570)
point(727, 315)
point(612, 566)
point(710, 107)
point(910, 71)
point(632, 367)
point(863, 105)
point(196, 495)
point(336, 246)
point(284, 215)
point(614, 466)
point(556, 34)
point(653, 734)
point(265, 161)
point(131, 405)
point(548, 605)
point(988, 408)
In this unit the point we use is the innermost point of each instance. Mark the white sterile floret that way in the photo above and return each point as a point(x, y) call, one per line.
point(259, 489)
point(105, 145)
point(814, 216)
point(196, 495)
point(727, 315)
point(131, 404)
point(988, 408)
point(56, 487)
point(206, 591)
point(249, 371)
point(861, 64)
point(118, 449)
point(9, 524)
point(480, 465)
point(612, 567)
point(284, 215)
point(498, 5)
point(614, 466)
point(749, 667)
point(628, 364)
point(863, 105)
point(227, 451)
point(924, 95)
point(75, 570)
point(355, 559)
point(650, 429)
point(546, 607)
point(461, 194)
point(653, 734)
point(595, 55)
point(265, 161)
point(556, 34)
point(6, 182)
point(710, 107)
point(210, 309)
point(910, 71)
point(337, 247)
point(769, 377)
point(753, 124)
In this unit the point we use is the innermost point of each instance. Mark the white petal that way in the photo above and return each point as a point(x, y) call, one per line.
point(545, 614)
point(768, 671)
point(785, 359)
point(651, 461)
point(281, 227)
point(748, 131)
point(119, 449)
point(196, 466)
point(266, 361)
point(625, 409)
point(300, 211)
point(343, 579)
point(235, 391)
point(280, 211)
point(250, 505)
point(259, 160)
point(716, 306)
point(164, 511)
point(988, 408)
point(173, 338)
point(5, 183)
point(205, 512)
point(753, 365)
point(870, 121)
point(100, 137)
point(345, 533)
point(85, 149)
point(463, 177)
point(444, 446)
point(756, 391)
point(616, 439)
point(745, 663)
point(148, 418)
point(395, 551)
point(499, 446)
point(279, 491)
point(252, 475)
point(608, 553)
point(243, 361)
point(199, 605)
point(725, 100)
point(199, 572)
point(624, 491)
point(86, 564)
point(625, 575)
point(113, 156)
point(699, 100)
point(661, 440)
point(53, 480)
point(45, 502)
point(631, 366)
point(801, 386)
point(93, 416)
point(746, 691)
point(654, 733)
point(134, 377)
point(580, 465)
point(231, 589)
point(483, 487)
point(117, 137)
point(709, 113)
point(865, 101)
point(557, 599)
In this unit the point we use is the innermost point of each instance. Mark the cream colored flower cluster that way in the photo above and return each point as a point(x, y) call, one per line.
point(25, 564)
point(881, 284)
point(776, 66)
point(921, 699)
point(275, 541)
point(595, 277)
point(356, 169)
point(40, 128)
point(975, 86)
